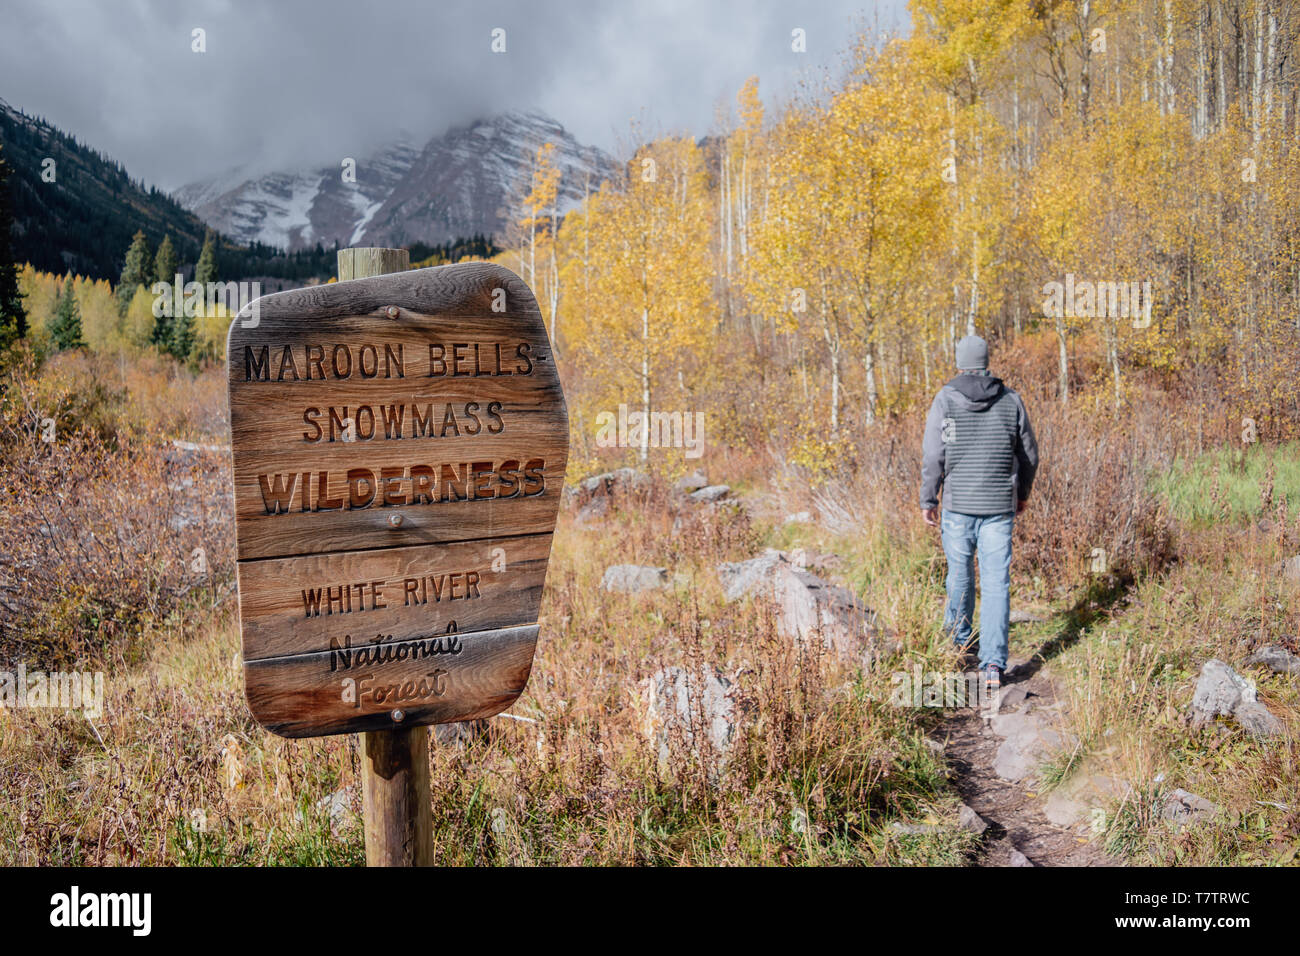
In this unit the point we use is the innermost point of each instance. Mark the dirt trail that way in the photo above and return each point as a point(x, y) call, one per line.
point(1014, 811)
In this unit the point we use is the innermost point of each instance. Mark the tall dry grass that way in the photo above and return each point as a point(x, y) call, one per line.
point(105, 525)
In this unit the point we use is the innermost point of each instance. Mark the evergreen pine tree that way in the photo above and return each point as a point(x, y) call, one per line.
point(206, 270)
point(166, 264)
point(13, 317)
point(165, 268)
point(135, 272)
point(66, 327)
point(182, 337)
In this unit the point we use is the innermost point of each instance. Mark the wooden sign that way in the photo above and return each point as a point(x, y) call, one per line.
point(399, 446)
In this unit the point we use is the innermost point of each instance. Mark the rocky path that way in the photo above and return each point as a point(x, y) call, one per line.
point(1019, 833)
point(994, 754)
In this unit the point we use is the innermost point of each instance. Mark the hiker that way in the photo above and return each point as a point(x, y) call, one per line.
point(980, 447)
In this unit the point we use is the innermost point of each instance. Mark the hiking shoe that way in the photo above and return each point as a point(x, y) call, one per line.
point(992, 678)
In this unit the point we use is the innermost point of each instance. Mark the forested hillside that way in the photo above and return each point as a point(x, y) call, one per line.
point(76, 210)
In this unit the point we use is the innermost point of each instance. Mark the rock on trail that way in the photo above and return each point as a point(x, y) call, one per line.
point(809, 608)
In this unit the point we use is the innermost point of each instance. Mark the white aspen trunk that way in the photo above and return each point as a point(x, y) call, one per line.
point(869, 363)
point(1142, 53)
point(586, 237)
point(555, 281)
point(974, 283)
point(1221, 99)
point(1201, 86)
point(1169, 56)
point(835, 388)
point(1270, 62)
point(833, 346)
point(532, 252)
point(1085, 61)
point(1257, 88)
point(645, 383)
point(1015, 122)
point(1114, 362)
point(1064, 359)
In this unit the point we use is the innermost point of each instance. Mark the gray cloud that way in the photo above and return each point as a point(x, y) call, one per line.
point(288, 82)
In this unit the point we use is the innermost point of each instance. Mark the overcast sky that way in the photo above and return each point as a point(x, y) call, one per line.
point(285, 83)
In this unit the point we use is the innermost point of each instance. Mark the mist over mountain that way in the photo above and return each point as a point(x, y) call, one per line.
point(460, 183)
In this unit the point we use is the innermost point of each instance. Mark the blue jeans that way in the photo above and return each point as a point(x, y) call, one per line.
point(990, 536)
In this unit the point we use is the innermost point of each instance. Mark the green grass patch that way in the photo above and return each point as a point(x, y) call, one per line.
point(1197, 490)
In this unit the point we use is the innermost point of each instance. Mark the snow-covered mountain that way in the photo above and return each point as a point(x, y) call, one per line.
point(461, 183)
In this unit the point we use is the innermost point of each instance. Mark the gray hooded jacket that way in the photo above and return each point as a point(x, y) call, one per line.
point(979, 446)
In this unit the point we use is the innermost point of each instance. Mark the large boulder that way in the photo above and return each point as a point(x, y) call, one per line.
point(697, 711)
point(743, 578)
point(633, 578)
point(616, 484)
point(809, 608)
point(1219, 689)
point(1222, 692)
point(596, 496)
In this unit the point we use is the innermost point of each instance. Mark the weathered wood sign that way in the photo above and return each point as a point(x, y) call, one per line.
point(399, 446)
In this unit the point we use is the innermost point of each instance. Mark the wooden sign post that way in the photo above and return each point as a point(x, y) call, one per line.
point(399, 443)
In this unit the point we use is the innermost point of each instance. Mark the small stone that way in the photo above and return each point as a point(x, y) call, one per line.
point(1019, 859)
point(1012, 697)
point(1083, 792)
point(1276, 658)
point(968, 819)
point(710, 494)
point(1184, 808)
point(337, 807)
point(692, 482)
point(633, 578)
point(461, 733)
